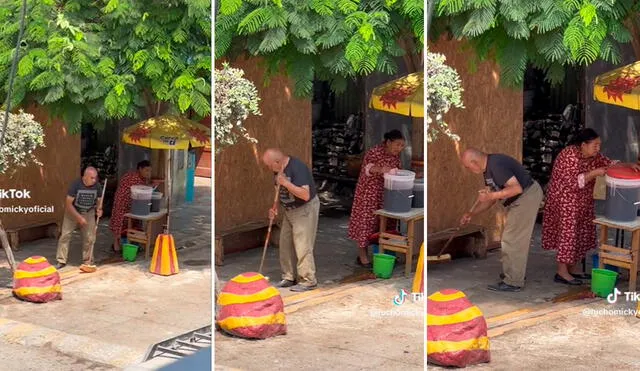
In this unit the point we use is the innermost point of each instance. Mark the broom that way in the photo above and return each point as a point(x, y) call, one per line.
point(90, 268)
point(446, 257)
point(266, 241)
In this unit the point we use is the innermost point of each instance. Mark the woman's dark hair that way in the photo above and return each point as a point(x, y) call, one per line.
point(143, 164)
point(393, 135)
point(584, 136)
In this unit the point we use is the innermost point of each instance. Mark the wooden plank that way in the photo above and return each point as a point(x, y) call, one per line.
point(389, 236)
point(616, 263)
point(246, 227)
point(614, 249)
point(414, 214)
point(631, 227)
point(219, 251)
point(604, 255)
point(384, 244)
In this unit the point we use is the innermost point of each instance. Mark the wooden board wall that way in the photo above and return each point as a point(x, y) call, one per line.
point(243, 186)
point(48, 184)
point(491, 121)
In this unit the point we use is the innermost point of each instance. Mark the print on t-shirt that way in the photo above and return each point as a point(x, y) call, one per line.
point(85, 199)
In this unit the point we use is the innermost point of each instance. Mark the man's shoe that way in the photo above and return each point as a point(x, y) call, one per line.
point(284, 283)
point(61, 265)
point(502, 276)
point(574, 282)
point(303, 288)
point(504, 287)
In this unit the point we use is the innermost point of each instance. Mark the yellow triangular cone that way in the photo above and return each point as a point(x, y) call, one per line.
point(165, 259)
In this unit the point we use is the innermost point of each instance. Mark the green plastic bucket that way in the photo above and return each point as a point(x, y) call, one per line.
point(383, 265)
point(129, 252)
point(603, 281)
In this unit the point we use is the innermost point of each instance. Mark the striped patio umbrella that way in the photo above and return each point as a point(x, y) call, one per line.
point(620, 87)
point(404, 96)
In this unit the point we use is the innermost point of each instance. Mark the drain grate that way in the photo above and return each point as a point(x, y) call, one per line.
point(182, 345)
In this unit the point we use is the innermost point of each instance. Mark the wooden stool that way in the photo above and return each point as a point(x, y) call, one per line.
point(147, 237)
point(400, 244)
point(615, 256)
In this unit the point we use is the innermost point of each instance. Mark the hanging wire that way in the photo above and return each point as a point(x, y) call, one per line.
point(12, 74)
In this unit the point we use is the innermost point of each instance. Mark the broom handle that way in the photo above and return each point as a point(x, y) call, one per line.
point(455, 234)
point(95, 231)
point(266, 241)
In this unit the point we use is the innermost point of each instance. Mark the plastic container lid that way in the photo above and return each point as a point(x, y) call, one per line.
point(157, 195)
point(402, 180)
point(141, 191)
point(626, 173)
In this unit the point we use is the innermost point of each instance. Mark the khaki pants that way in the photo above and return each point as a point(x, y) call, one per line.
point(516, 238)
point(69, 225)
point(297, 239)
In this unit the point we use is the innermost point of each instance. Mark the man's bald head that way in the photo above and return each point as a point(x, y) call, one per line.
point(90, 176)
point(274, 159)
point(474, 160)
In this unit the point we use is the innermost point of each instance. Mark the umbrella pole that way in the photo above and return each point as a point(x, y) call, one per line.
point(169, 188)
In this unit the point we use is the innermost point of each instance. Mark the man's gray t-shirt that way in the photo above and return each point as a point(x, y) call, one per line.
point(501, 168)
point(84, 198)
point(298, 173)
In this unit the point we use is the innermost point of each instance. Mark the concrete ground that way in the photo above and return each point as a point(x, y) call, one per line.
point(547, 325)
point(24, 358)
point(345, 323)
point(113, 315)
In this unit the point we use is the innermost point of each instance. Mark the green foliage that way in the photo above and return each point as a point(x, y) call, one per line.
point(333, 40)
point(91, 61)
point(24, 135)
point(550, 34)
point(235, 99)
point(444, 90)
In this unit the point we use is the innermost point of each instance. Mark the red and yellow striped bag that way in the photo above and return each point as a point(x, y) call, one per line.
point(251, 308)
point(456, 331)
point(37, 281)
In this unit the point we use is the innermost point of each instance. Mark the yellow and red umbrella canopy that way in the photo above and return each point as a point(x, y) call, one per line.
point(620, 87)
point(167, 132)
point(404, 96)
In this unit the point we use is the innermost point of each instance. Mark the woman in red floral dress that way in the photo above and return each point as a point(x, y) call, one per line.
point(122, 199)
point(569, 208)
point(379, 160)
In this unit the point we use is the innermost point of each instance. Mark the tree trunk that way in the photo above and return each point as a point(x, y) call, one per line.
point(633, 26)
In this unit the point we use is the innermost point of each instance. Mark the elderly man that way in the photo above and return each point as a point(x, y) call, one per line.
point(80, 210)
point(300, 219)
point(521, 196)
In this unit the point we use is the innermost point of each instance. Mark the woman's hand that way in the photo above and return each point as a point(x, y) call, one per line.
point(635, 167)
point(599, 172)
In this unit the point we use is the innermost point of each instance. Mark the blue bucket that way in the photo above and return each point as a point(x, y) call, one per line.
point(596, 262)
point(376, 250)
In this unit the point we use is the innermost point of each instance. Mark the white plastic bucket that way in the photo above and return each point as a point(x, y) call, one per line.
point(403, 179)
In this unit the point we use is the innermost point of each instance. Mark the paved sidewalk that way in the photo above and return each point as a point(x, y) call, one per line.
point(350, 327)
point(113, 315)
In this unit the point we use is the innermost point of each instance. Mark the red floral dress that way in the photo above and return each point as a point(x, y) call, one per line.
point(122, 201)
point(369, 195)
point(569, 210)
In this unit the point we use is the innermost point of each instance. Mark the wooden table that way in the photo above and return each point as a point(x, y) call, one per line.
point(620, 257)
point(400, 244)
point(151, 226)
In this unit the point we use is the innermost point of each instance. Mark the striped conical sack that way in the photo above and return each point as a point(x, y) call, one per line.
point(456, 331)
point(37, 281)
point(165, 259)
point(249, 307)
